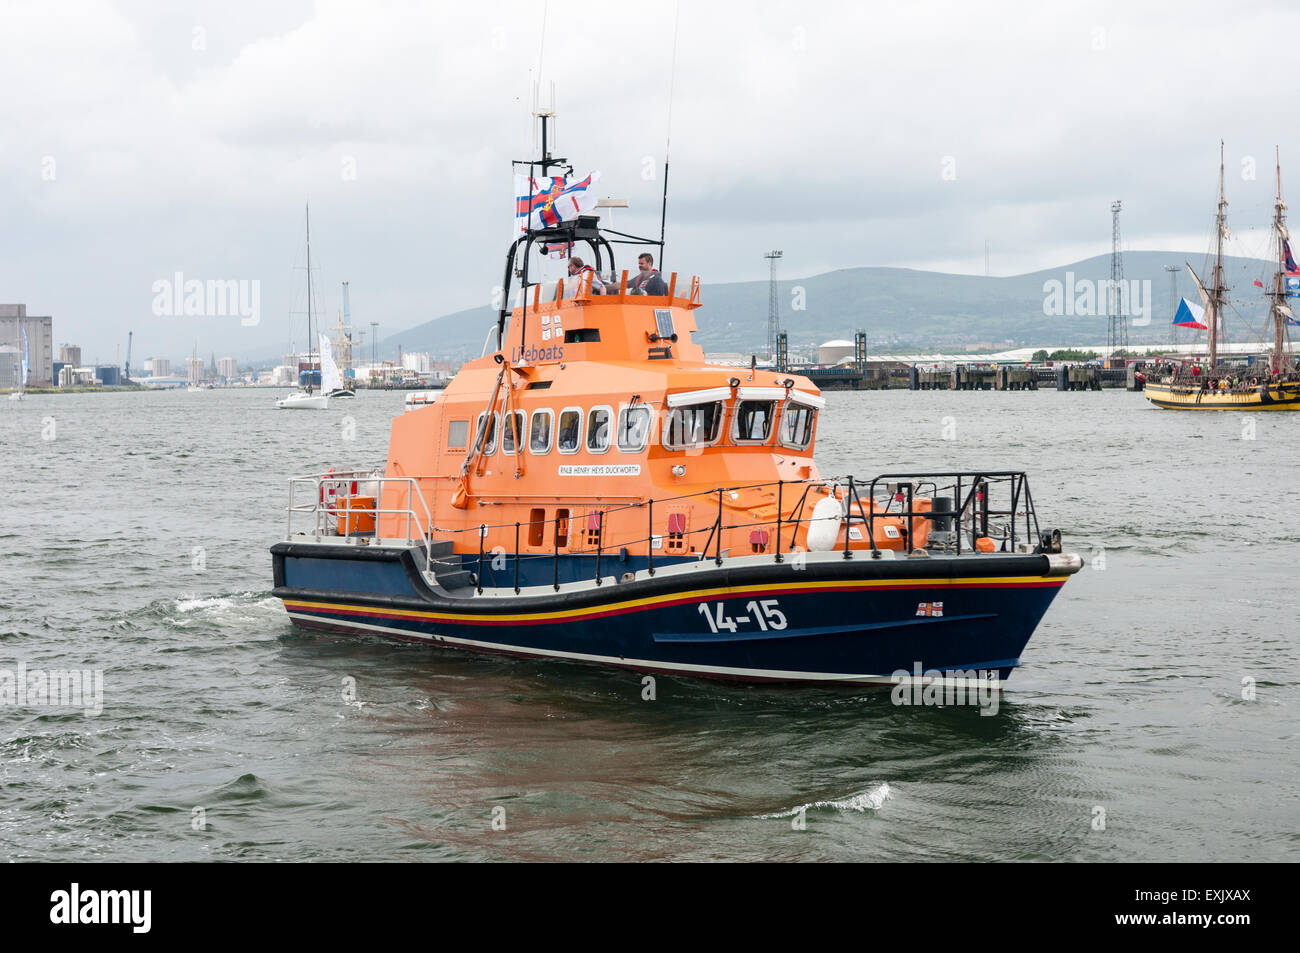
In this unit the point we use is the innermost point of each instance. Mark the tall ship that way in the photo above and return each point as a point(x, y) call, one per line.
point(593, 490)
point(1215, 385)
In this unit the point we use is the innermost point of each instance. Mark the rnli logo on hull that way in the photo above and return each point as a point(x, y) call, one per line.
point(535, 355)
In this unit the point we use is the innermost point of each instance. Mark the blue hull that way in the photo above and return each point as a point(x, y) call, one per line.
point(834, 620)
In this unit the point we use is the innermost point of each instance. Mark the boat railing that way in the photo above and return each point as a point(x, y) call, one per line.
point(326, 498)
point(972, 493)
point(961, 504)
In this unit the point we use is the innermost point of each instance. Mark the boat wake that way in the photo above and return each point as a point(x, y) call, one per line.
point(871, 799)
point(237, 603)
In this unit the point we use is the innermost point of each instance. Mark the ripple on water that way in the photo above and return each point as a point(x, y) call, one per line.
point(872, 799)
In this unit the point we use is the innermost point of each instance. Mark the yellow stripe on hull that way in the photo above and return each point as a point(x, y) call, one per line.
point(1286, 397)
point(694, 595)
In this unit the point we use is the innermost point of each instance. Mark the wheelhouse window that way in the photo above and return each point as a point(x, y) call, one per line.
point(490, 442)
point(598, 429)
point(457, 434)
point(568, 437)
point(633, 428)
point(512, 431)
point(797, 422)
point(753, 421)
point(694, 425)
point(539, 437)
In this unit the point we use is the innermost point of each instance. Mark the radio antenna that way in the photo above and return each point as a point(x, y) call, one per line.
point(668, 139)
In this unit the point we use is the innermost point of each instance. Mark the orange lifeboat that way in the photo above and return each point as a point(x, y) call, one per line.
point(594, 489)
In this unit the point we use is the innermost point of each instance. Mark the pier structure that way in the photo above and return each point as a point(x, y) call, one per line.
point(981, 374)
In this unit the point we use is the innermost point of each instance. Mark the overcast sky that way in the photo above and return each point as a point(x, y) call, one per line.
point(147, 138)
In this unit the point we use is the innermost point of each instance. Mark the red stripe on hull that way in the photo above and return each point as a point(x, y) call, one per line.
point(559, 620)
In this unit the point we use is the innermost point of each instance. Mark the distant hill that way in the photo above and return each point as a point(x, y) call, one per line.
point(901, 308)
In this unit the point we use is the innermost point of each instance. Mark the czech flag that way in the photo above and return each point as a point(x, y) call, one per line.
point(1291, 268)
point(546, 202)
point(1190, 316)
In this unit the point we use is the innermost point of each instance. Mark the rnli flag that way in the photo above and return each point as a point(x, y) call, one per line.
point(1190, 316)
point(546, 202)
point(1291, 268)
point(929, 608)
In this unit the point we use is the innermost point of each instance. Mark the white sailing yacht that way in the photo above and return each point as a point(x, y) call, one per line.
point(331, 378)
point(22, 372)
point(307, 398)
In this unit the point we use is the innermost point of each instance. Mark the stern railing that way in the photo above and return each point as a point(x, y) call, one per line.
point(327, 497)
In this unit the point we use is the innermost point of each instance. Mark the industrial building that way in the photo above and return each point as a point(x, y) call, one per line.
point(832, 352)
point(40, 346)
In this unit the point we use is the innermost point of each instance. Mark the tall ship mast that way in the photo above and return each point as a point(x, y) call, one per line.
point(1219, 290)
point(1237, 384)
point(1279, 311)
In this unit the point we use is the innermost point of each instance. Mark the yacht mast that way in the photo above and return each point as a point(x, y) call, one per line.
point(1217, 290)
point(310, 339)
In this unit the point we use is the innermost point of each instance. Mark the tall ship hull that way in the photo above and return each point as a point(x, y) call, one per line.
point(1276, 396)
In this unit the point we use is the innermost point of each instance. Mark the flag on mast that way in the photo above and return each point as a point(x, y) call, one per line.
point(546, 202)
point(1190, 316)
point(1287, 260)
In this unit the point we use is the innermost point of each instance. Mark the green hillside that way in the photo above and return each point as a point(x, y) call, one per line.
point(904, 309)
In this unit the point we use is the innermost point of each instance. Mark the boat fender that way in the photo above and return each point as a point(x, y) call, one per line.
point(984, 544)
point(460, 497)
point(824, 526)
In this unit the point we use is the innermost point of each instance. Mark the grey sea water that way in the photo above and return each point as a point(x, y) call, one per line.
point(134, 539)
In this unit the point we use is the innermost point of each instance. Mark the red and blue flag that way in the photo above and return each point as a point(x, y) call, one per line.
point(546, 202)
point(1190, 316)
point(1287, 260)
